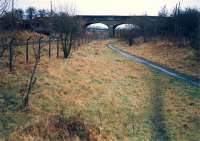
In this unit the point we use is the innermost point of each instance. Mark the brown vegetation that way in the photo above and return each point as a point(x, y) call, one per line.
point(23, 35)
point(182, 59)
point(95, 95)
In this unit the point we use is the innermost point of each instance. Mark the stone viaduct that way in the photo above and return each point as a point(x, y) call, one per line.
point(113, 21)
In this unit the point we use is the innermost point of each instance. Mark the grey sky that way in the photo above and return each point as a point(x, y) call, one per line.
point(110, 7)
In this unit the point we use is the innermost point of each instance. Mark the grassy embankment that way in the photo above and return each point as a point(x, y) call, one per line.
point(96, 95)
point(23, 35)
point(182, 59)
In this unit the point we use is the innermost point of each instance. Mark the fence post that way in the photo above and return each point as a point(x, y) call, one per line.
point(73, 44)
point(11, 54)
point(79, 44)
point(27, 49)
point(76, 44)
point(39, 51)
point(49, 48)
point(10, 57)
point(39, 48)
point(57, 48)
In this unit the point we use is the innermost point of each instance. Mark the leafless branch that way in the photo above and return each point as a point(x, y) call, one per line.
point(4, 4)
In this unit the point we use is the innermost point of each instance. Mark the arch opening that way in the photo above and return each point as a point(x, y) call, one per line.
point(97, 26)
point(128, 29)
point(97, 30)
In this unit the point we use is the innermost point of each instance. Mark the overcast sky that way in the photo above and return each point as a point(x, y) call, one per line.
point(110, 7)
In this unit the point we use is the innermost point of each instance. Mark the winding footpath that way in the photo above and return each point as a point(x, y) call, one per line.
point(193, 81)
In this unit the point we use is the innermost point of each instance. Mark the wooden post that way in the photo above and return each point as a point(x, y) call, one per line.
point(39, 51)
point(76, 44)
point(49, 48)
point(11, 56)
point(27, 50)
point(79, 44)
point(57, 48)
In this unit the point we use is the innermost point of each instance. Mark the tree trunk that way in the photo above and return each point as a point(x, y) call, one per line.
point(67, 44)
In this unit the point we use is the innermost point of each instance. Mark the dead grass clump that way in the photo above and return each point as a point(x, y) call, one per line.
point(59, 128)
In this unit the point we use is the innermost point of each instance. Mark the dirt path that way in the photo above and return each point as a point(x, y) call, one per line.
point(168, 71)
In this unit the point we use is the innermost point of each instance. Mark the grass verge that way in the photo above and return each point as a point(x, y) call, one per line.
point(96, 95)
point(184, 60)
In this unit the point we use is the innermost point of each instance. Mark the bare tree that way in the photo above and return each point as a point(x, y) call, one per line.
point(32, 80)
point(42, 13)
point(4, 4)
point(163, 12)
point(31, 13)
point(67, 26)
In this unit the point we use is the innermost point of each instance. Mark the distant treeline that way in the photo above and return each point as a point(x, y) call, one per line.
point(19, 19)
point(180, 26)
point(41, 21)
point(63, 25)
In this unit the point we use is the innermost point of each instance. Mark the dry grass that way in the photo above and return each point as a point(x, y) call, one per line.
point(23, 36)
point(184, 60)
point(97, 96)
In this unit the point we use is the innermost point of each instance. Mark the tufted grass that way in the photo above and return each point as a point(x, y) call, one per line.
point(100, 94)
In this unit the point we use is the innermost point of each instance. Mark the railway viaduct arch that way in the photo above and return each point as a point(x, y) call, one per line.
point(113, 21)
